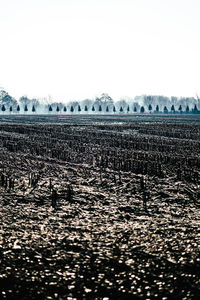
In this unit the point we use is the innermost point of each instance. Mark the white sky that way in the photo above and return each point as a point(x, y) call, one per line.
point(77, 49)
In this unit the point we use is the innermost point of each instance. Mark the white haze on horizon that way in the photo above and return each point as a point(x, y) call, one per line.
point(77, 49)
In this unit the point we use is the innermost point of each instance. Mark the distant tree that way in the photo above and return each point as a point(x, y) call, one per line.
point(11, 109)
point(79, 108)
point(65, 109)
point(3, 108)
point(121, 104)
point(75, 105)
point(105, 98)
point(147, 100)
point(100, 108)
point(172, 109)
point(57, 108)
point(6, 99)
point(157, 108)
point(72, 109)
point(150, 108)
point(18, 108)
point(135, 109)
point(128, 109)
point(195, 109)
point(33, 108)
point(86, 108)
point(174, 100)
point(187, 109)
point(93, 108)
point(50, 108)
point(114, 109)
point(107, 109)
point(142, 110)
point(25, 108)
point(121, 109)
point(24, 100)
point(165, 110)
point(180, 109)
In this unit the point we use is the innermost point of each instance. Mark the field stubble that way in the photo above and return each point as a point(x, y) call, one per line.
point(105, 208)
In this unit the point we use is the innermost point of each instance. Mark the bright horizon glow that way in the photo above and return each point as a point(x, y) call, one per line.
point(78, 49)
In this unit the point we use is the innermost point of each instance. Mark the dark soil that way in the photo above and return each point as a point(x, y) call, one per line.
point(96, 207)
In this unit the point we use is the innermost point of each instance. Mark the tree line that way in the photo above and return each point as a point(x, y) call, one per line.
point(99, 109)
point(102, 104)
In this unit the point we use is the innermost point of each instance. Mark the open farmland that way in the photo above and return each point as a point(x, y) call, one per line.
point(95, 207)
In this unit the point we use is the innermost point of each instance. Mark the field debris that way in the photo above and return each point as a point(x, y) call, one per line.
point(100, 209)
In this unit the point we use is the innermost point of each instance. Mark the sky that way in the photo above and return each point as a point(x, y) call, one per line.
point(78, 49)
